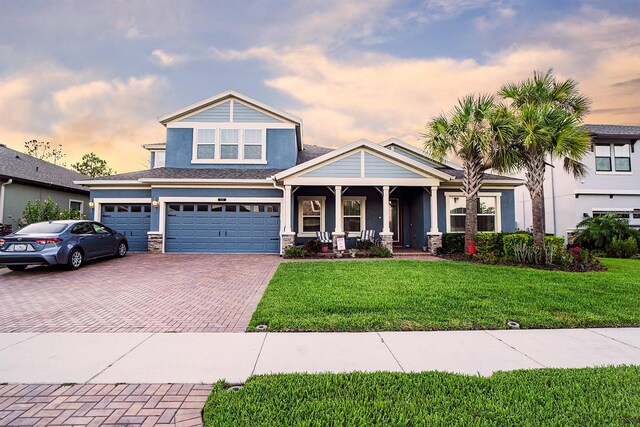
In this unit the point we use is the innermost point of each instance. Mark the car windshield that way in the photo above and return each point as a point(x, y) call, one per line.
point(42, 227)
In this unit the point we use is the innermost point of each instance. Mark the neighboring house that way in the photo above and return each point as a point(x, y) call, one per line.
point(611, 186)
point(235, 176)
point(24, 178)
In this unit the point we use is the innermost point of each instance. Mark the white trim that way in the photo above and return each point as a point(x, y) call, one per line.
point(230, 185)
point(155, 159)
point(221, 97)
point(160, 146)
point(323, 214)
point(77, 201)
point(374, 148)
point(498, 214)
point(107, 182)
point(414, 150)
point(372, 182)
point(118, 187)
point(363, 212)
point(204, 180)
point(228, 125)
point(97, 204)
point(163, 201)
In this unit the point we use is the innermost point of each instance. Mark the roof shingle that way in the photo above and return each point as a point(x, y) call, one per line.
point(614, 130)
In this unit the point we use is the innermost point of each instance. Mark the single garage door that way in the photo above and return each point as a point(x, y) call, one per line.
point(223, 227)
point(134, 221)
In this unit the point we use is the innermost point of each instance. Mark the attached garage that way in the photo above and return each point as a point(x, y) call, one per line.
point(222, 227)
point(132, 220)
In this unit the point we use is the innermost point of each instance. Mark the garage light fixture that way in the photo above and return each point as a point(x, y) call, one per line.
point(155, 203)
point(91, 204)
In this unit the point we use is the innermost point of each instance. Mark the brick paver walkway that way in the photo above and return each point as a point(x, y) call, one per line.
point(102, 404)
point(138, 293)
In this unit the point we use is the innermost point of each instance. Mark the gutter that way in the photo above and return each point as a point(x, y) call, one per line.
point(2, 199)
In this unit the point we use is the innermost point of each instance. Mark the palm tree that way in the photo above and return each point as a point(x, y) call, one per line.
point(547, 114)
point(476, 131)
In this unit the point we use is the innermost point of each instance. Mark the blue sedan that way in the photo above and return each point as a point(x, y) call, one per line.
point(69, 243)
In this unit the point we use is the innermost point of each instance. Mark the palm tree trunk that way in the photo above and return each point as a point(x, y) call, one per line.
point(471, 183)
point(535, 185)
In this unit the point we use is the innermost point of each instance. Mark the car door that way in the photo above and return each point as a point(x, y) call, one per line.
point(108, 242)
point(88, 240)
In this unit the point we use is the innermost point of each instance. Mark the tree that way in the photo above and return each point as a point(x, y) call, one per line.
point(42, 150)
point(477, 131)
point(93, 166)
point(547, 114)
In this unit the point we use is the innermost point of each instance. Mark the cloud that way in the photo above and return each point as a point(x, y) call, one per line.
point(167, 59)
point(496, 18)
point(111, 117)
point(377, 96)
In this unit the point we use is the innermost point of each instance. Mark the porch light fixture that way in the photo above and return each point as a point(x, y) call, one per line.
point(91, 204)
point(155, 203)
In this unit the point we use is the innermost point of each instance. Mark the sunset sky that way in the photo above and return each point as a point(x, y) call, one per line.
point(94, 76)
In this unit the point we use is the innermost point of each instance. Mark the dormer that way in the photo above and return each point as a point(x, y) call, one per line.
point(231, 130)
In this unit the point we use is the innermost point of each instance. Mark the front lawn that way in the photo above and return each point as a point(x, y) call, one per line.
point(439, 295)
point(568, 397)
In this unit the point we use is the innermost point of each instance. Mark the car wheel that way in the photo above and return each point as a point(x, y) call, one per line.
point(16, 267)
point(76, 258)
point(122, 250)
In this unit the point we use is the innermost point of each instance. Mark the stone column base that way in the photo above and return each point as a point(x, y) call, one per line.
point(434, 241)
point(335, 237)
point(387, 240)
point(287, 240)
point(154, 242)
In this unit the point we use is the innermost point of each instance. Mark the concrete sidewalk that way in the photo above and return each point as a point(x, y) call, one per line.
point(208, 357)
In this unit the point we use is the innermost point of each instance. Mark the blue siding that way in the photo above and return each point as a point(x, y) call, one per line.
point(348, 167)
point(245, 114)
point(282, 150)
point(120, 194)
point(412, 156)
point(219, 113)
point(376, 167)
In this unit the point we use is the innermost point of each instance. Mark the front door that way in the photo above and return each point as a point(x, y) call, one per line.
point(395, 221)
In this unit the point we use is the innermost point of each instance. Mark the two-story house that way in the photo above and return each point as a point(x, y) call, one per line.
point(612, 183)
point(235, 176)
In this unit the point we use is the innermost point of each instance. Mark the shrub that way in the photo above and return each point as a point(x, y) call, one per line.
point(313, 246)
point(381, 252)
point(623, 248)
point(598, 232)
point(453, 242)
point(556, 242)
point(487, 245)
point(47, 210)
point(365, 245)
point(295, 252)
point(510, 242)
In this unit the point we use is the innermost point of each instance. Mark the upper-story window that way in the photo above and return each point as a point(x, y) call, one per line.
point(610, 157)
point(230, 145)
point(159, 159)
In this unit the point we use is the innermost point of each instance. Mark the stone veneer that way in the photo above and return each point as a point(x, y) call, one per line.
point(154, 243)
point(287, 240)
point(386, 239)
point(434, 242)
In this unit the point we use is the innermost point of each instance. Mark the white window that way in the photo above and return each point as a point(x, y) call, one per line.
point(310, 215)
point(353, 214)
point(76, 205)
point(488, 212)
point(229, 144)
point(158, 160)
point(253, 144)
point(610, 157)
point(205, 144)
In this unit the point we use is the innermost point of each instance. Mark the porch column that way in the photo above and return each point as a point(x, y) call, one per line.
point(338, 193)
point(287, 208)
point(386, 237)
point(434, 209)
point(434, 237)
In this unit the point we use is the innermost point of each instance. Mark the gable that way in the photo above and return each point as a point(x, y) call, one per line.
point(377, 167)
point(413, 156)
point(347, 167)
point(218, 113)
point(245, 114)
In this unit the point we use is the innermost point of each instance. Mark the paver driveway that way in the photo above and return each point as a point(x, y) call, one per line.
point(138, 293)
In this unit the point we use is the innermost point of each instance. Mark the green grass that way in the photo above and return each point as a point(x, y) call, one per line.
point(421, 295)
point(548, 397)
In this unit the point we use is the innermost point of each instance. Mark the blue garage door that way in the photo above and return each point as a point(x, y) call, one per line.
point(134, 221)
point(223, 227)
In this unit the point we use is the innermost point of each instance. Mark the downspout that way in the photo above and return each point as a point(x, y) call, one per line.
point(284, 208)
point(553, 200)
point(2, 199)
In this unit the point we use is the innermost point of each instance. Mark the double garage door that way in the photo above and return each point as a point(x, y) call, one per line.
point(222, 227)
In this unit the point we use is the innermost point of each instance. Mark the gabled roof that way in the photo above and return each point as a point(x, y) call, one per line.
point(164, 119)
point(364, 143)
point(19, 166)
point(408, 147)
